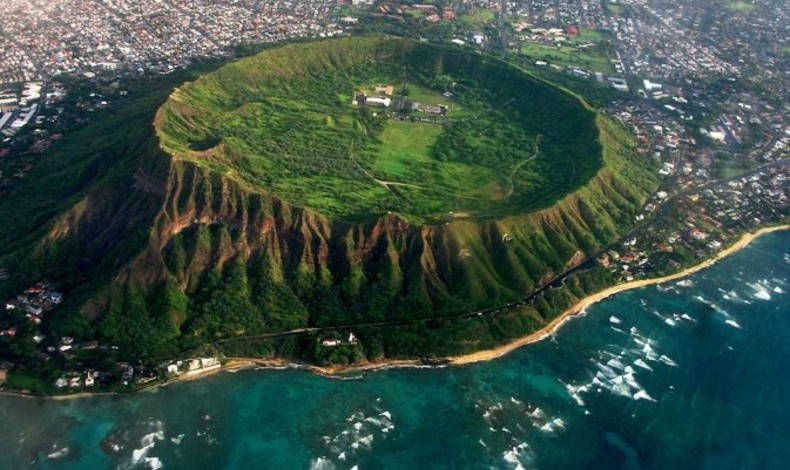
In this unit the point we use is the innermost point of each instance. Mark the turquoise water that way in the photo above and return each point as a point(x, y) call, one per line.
point(692, 374)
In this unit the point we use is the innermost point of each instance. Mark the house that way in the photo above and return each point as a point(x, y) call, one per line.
point(56, 297)
point(33, 310)
point(380, 101)
point(352, 339)
point(330, 342)
point(377, 101)
point(89, 380)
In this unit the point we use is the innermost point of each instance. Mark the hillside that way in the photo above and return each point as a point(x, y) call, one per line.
point(498, 141)
point(171, 237)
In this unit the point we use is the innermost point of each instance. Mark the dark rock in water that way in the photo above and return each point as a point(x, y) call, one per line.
point(114, 442)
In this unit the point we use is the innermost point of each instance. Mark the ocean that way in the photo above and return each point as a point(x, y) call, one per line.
point(692, 374)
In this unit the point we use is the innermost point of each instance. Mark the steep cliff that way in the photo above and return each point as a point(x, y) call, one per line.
point(163, 253)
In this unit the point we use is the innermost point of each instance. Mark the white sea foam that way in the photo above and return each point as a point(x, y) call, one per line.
point(778, 290)
point(615, 364)
point(643, 395)
point(537, 413)
point(615, 320)
point(321, 463)
point(761, 292)
point(685, 283)
point(58, 454)
point(631, 381)
point(515, 401)
point(642, 364)
point(667, 360)
point(547, 428)
point(177, 439)
point(670, 321)
point(558, 423)
point(733, 323)
point(619, 387)
point(153, 463)
point(574, 392)
point(649, 352)
point(342, 456)
point(510, 457)
point(686, 316)
point(379, 423)
point(147, 442)
point(366, 441)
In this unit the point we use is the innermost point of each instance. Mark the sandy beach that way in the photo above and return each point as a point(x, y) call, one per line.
point(581, 305)
point(238, 363)
point(546, 331)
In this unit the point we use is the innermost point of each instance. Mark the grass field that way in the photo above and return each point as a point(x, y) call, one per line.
point(479, 18)
point(25, 380)
point(302, 139)
point(403, 145)
point(594, 59)
point(740, 5)
point(588, 35)
point(615, 8)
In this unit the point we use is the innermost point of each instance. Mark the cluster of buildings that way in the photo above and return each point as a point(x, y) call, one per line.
point(691, 40)
point(44, 38)
point(192, 366)
point(332, 342)
point(701, 223)
point(690, 65)
point(17, 109)
point(32, 304)
point(385, 97)
point(428, 12)
point(76, 380)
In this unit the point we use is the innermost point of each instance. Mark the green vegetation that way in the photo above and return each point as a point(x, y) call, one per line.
point(739, 5)
point(592, 58)
point(478, 19)
point(615, 8)
point(726, 165)
point(22, 379)
point(408, 143)
point(293, 131)
point(589, 35)
point(267, 213)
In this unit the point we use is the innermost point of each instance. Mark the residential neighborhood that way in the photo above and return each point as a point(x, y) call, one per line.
point(702, 88)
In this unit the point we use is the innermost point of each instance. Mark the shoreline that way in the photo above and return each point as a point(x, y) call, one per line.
point(234, 364)
point(580, 306)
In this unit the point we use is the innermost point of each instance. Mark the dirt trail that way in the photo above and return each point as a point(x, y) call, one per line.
point(520, 164)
